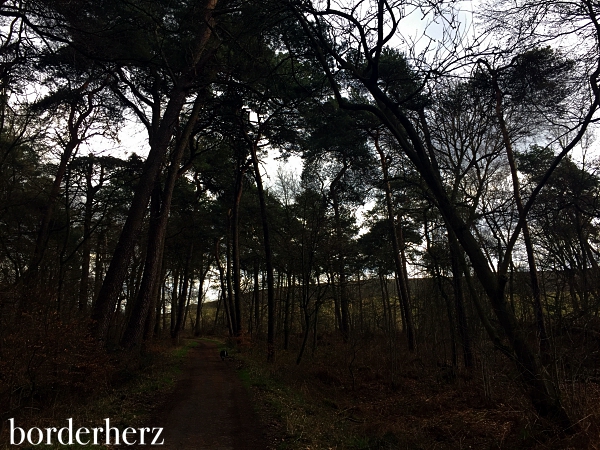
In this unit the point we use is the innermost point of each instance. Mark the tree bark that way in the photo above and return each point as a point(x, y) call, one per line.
point(341, 264)
point(287, 315)
point(160, 210)
point(132, 336)
point(183, 296)
point(235, 251)
point(398, 263)
point(533, 273)
point(198, 325)
point(86, 247)
point(268, 259)
point(225, 295)
point(160, 138)
point(461, 317)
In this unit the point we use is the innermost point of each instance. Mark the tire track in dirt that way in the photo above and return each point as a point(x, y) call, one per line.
point(209, 409)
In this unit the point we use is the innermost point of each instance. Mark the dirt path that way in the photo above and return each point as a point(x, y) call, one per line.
point(209, 408)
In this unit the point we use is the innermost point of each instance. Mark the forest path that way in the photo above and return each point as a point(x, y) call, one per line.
point(209, 409)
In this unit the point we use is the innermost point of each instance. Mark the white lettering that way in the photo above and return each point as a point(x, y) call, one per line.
point(49, 435)
point(157, 436)
point(142, 435)
point(95, 430)
point(12, 433)
point(84, 436)
point(82, 431)
point(40, 434)
point(69, 429)
point(125, 431)
point(108, 430)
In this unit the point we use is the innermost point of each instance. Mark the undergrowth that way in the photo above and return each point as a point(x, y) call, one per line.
point(360, 396)
point(128, 398)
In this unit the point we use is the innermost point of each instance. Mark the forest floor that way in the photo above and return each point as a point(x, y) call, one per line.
point(340, 398)
point(198, 400)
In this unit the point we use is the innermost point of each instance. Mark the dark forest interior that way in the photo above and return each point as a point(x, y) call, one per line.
point(394, 231)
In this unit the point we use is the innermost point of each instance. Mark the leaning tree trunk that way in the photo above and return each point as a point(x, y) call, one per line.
point(400, 271)
point(160, 209)
point(544, 395)
point(461, 317)
point(117, 271)
point(161, 137)
point(132, 336)
point(533, 272)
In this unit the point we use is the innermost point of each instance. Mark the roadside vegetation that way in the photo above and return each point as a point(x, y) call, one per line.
point(341, 398)
point(127, 396)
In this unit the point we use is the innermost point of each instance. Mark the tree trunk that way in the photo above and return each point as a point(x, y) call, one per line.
point(132, 336)
point(188, 301)
point(255, 300)
point(86, 246)
point(152, 326)
point(268, 259)
point(198, 327)
point(160, 138)
point(463, 328)
point(533, 273)
point(304, 337)
point(400, 271)
point(225, 294)
point(174, 297)
point(361, 318)
point(99, 263)
point(229, 298)
point(287, 307)
point(183, 296)
point(160, 209)
point(342, 293)
point(235, 250)
point(388, 325)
